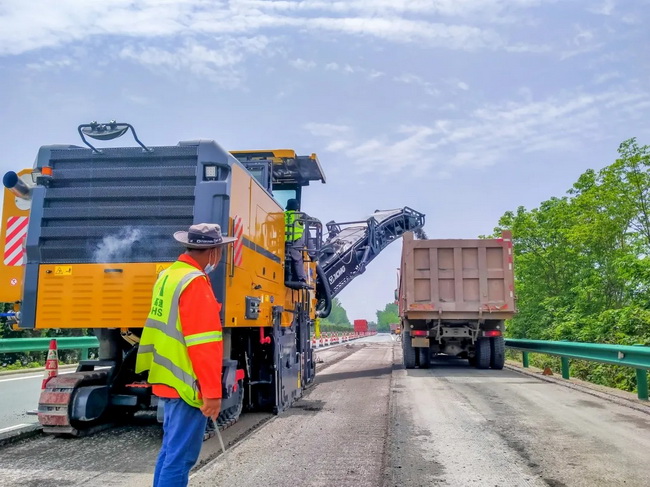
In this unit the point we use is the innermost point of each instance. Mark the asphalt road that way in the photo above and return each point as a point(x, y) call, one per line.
point(458, 426)
point(370, 422)
point(333, 437)
point(18, 394)
point(121, 456)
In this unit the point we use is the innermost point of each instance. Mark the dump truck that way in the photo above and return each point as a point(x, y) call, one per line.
point(394, 328)
point(454, 297)
point(360, 326)
point(88, 230)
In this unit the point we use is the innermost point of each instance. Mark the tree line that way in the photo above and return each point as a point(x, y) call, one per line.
point(582, 262)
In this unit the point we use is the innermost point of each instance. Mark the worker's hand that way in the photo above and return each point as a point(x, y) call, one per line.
point(211, 408)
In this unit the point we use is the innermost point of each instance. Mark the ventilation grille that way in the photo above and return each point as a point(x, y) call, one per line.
point(120, 206)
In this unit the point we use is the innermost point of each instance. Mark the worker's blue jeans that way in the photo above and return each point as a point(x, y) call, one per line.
point(183, 428)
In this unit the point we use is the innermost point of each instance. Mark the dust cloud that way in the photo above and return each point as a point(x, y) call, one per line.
point(118, 247)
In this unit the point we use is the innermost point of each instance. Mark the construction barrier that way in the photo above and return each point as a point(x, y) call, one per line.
point(336, 338)
point(51, 364)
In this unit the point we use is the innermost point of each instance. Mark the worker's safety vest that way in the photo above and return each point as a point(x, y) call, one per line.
point(293, 230)
point(163, 348)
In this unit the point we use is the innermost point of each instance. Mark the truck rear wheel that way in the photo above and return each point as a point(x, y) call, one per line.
point(498, 357)
point(425, 358)
point(483, 353)
point(408, 351)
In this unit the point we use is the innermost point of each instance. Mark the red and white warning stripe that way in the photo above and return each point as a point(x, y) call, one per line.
point(238, 232)
point(14, 254)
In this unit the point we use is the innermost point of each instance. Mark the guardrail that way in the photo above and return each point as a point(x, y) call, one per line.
point(13, 345)
point(635, 356)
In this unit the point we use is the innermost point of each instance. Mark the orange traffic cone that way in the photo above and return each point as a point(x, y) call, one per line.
point(547, 371)
point(51, 364)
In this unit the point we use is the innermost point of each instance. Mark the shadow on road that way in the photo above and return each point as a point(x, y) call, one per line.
point(357, 374)
point(443, 366)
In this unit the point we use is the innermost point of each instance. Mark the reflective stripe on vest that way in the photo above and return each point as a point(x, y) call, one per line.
point(163, 348)
point(293, 230)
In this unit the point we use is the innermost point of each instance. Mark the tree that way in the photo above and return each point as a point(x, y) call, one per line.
point(387, 316)
point(582, 261)
point(338, 315)
point(337, 320)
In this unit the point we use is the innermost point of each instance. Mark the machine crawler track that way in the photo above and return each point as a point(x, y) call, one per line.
point(57, 399)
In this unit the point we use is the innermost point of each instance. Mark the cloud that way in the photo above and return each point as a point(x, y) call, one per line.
point(326, 129)
point(302, 64)
point(406, 31)
point(414, 79)
point(70, 21)
point(350, 69)
point(491, 133)
point(608, 76)
point(217, 64)
point(489, 10)
point(51, 64)
point(605, 8)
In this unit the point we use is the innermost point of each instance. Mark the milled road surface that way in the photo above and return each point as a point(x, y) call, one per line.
point(369, 422)
point(121, 456)
point(333, 437)
point(458, 426)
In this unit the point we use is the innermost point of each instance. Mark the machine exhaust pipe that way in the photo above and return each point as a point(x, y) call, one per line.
point(17, 186)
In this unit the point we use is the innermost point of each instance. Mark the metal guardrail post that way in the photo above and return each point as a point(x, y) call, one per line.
point(642, 384)
point(524, 359)
point(565, 367)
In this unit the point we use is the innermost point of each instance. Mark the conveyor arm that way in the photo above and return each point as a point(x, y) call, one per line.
point(351, 246)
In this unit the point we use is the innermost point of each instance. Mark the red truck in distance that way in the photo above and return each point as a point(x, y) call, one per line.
point(360, 326)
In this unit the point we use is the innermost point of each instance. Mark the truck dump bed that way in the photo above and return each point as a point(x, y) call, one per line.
point(457, 279)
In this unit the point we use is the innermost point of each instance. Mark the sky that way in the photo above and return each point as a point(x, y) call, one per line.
point(459, 109)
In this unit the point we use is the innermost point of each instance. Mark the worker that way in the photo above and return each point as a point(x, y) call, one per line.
point(181, 347)
point(295, 230)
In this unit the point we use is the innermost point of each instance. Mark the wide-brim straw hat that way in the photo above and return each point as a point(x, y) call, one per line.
point(203, 236)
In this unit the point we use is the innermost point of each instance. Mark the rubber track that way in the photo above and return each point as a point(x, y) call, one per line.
point(54, 402)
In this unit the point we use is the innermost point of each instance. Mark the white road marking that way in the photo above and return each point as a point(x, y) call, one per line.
point(40, 376)
point(11, 428)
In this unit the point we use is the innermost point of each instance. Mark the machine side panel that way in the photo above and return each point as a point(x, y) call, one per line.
point(13, 228)
point(259, 271)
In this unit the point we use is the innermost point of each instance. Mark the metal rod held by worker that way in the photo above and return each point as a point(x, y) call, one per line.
point(223, 447)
